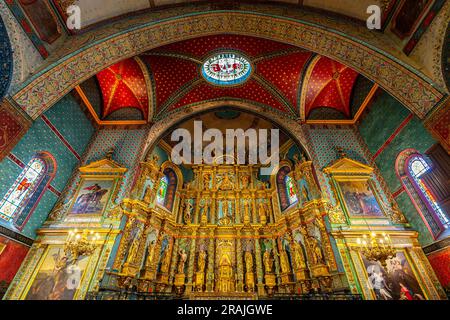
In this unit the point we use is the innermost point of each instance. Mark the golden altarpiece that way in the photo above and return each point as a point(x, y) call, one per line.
point(224, 234)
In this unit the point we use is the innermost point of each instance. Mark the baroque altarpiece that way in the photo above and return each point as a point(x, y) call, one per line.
point(226, 233)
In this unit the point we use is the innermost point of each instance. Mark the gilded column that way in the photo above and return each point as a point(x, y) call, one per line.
point(211, 258)
point(191, 263)
point(259, 267)
point(276, 256)
point(240, 267)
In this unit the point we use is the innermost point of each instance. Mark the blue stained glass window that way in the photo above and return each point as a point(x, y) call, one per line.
point(23, 188)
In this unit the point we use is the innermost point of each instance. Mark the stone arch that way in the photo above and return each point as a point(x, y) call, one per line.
point(403, 82)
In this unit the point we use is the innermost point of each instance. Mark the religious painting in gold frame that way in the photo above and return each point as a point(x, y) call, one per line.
point(355, 189)
point(359, 198)
point(56, 277)
point(92, 196)
point(97, 188)
point(397, 281)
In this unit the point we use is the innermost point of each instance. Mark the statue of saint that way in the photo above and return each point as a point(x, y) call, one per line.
point(165, 261)
point(201, 261)
point(246, 211)
point(245, 180)
point(316, 251)
point(206, 178)
point(262, 213)
point(284, 262)
point(182, 261)
point(187, 211)
point(150, 253)
point(133, 250)
point(248, 261)
point(226, 183)
point(298, 256)
point(268, 261)
point(204, 208)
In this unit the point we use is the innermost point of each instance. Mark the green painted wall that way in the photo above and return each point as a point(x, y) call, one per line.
point(381, 121)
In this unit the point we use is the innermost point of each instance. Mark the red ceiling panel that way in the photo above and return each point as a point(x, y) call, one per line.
point(252, 90)
point(285, 72)
point(330, 85)
point(169, 75)
point(123, 86)
point(251, 46)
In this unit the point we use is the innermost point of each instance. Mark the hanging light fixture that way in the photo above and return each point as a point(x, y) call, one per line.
point(81, 243)
point(376, 247)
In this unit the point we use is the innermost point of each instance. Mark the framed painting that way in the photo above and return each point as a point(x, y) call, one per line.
point(97, 188)
point(57, 277)
point(359, 198)
point(397, 281)
point(353, 185)
point(92, 196)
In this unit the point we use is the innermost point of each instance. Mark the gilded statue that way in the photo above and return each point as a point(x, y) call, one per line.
point(187, 211)
point(206, 179)
point(165, 261)
point(183, 258)
point(150, 254)
point(284, 262)
point(248, 261)
point(316, 251)
point(226, 183)
point(268, 261)
point(132, 252)
point(262, 213)
point(246, 211)
point(298, 256)
point(201, 261)
point(396, 215)
point(204, 207)
point(245, 181)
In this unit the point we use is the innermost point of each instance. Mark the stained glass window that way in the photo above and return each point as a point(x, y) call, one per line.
point(162, 191)
point(417, 168)
point(290, 189)
point(22, 189)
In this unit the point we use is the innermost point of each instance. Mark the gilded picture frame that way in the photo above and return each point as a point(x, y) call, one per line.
point(97, 189)
point(54, 285)
point(398, 281)
point(355, 189)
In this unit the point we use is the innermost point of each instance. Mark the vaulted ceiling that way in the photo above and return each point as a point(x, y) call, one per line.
point(286, 78)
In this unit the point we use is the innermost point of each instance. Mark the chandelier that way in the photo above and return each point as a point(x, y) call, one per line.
point(376, 247)
point(81, 243)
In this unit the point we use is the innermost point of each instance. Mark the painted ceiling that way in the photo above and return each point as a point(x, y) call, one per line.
point(285, 78)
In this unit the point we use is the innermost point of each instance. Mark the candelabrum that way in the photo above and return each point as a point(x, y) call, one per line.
point(81, 243)
point(376, 247)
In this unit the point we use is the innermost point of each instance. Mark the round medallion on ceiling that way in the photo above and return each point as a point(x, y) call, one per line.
point(226, 69)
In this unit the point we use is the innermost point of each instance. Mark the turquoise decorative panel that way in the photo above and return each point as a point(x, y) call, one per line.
point(411, 214)
point(384, 116)
point(63, 127)
point(72, 123)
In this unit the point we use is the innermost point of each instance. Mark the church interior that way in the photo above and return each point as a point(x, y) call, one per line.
point(94, 206)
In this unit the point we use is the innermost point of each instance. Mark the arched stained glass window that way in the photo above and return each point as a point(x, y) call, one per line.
point(290, 189)
point(165, 196)
point(21, 199)
point(286, 188)
point(417, 168)
point(162, 190)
